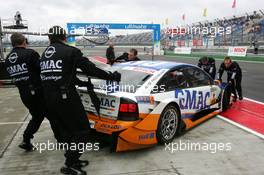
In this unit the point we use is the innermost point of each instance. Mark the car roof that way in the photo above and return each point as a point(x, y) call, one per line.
point(156, 65)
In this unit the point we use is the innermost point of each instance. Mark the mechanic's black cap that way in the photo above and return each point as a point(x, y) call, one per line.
point(56, 34)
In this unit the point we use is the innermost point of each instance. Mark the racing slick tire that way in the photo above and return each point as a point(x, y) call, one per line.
point(169, 124)
point(226, 98)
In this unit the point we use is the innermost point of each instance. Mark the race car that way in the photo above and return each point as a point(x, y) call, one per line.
point(154, 102)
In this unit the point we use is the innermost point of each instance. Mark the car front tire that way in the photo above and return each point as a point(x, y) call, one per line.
point(226, 98)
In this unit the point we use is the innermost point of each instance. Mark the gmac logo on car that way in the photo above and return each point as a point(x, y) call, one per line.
point(192, 99)
point(50, 51)
point(105, 102)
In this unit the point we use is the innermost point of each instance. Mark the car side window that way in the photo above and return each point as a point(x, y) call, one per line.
point(196, 77)
point(173, 80)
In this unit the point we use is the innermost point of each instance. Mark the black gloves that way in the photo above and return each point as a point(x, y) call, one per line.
point(115, 76)
point(122, 57)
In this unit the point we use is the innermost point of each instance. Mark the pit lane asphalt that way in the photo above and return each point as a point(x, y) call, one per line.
point(245, 157)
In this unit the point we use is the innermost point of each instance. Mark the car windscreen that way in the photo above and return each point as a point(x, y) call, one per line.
point(131, 79)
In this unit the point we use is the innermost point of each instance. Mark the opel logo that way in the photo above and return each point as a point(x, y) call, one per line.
point(50, 51)
point(13, 57)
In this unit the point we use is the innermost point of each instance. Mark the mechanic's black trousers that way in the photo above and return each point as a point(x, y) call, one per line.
point(37, 108)
point(72, 118)
point(236, 86)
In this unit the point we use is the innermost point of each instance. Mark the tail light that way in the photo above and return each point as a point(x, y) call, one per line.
point(128, 110)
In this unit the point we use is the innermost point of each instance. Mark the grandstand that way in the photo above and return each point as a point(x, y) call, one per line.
point(246, 29)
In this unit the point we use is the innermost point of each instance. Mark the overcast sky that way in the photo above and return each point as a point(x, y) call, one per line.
point(45, 13)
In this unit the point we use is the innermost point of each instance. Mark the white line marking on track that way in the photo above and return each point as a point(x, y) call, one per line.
point(241, 126)
point(249, 99)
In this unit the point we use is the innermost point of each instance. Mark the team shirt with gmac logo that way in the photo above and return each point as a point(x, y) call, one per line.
point(233, 71)
point(209, 67)
point(51, 65)
point(23, 66)
point(59, 62)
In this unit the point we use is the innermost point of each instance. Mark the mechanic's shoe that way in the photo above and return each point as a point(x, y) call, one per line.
point(240, 98)
point(82, 163)
point(26, 146)
point(72, 170)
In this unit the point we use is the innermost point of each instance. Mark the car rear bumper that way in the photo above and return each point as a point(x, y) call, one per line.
point(130, 135)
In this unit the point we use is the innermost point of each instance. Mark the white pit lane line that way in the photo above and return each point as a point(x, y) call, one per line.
point(241, 126)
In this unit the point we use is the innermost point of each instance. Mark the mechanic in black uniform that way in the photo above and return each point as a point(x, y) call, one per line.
point(234, 76)
point(58, 72)
point(208, 65)
point(110, 54)
point(131, 56)
point(22, 64)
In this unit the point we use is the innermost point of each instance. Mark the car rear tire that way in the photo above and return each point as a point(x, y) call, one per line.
point(226, 98)
point(169, 124)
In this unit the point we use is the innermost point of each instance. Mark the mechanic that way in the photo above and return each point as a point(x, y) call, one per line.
point(208, 65)
point(110, 54)
point(234, 76)
point(22, 64)
point(58, 71)
point(131, 56)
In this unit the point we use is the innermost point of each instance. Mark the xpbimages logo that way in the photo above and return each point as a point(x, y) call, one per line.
point(212, 147)
point(51, 146)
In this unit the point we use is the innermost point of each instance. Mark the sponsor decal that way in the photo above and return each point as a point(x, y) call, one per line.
point(50, 51)
point(150, 135)
point(214, 99)
point(145, 99)
point(108, 103)
point(192, 99)
point(13, 57)
point(17, 69)
point(51, 66)
point(237, 51)
point(54, 78)
point(109, 126)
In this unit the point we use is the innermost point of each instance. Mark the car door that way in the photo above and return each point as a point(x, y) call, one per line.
point(201, 89)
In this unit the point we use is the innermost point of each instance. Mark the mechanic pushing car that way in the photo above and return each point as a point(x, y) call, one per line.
point(22, 64)
point(234, 76)
point(208, 65)
point(131, 56)
point(58, 72)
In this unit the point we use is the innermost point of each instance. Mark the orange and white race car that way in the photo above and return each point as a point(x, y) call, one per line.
point(153, 102)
